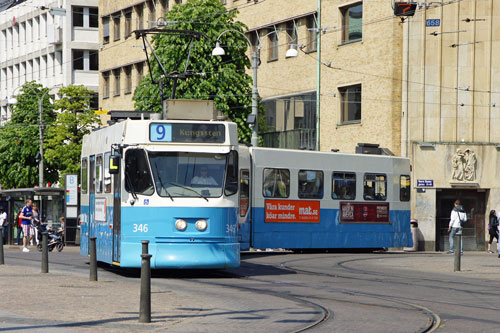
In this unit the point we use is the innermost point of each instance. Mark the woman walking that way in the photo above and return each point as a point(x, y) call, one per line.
point(493, 229)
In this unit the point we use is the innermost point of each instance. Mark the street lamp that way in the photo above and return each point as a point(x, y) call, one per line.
point(219, 51)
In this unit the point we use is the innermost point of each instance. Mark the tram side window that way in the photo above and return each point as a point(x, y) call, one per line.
point(276, 183)
point(404, 188)
point(137, 174)
point(310, 184)
point(344, 185)
point(107, 175)
point(375, 187)
point(84, 177)
point(232, 174)
point(244, 191)
point(98, 174)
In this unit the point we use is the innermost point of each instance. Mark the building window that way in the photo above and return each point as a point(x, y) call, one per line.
point(105, 30)
point(375, 187)
point(344, 185)
point(78, 60)
point(116, 27)
point(151, 14)
point(276, 183)
point(352, 22)
point(310, 184)
point(93, 60)
point(78, 16)
point(139, 67)
point(140, 16)
point(164, 7)
point(350, 103)
point(273, 47)
point(128, 23)
point(312, 34)
point(105, 90)
point(116, 74)
point(93, 17)
point(128, 79)
point(292, 38)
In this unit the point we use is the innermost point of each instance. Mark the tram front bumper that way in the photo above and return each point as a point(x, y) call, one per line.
point(184, 255)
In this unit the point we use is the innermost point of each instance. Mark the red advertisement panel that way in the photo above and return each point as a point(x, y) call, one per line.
point(299, 211)
point(364, 212)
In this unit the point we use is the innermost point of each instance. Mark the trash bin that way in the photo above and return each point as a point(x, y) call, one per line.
point(414, 236)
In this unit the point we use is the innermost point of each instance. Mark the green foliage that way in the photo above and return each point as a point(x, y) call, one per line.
point(63, 143)
point(19, 139)
point(222, 79)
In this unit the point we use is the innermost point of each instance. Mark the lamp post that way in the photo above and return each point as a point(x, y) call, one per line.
point(219, 51)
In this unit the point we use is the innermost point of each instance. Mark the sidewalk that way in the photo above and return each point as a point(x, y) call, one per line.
point(66, 301)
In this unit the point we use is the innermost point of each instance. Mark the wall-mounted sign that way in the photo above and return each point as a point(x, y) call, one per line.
point(432, 22)
point(425, 183)
point(72, 190)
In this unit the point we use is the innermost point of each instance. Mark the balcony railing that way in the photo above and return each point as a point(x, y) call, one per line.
point(293, 139)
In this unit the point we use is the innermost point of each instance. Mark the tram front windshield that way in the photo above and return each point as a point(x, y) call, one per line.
point(183, 174)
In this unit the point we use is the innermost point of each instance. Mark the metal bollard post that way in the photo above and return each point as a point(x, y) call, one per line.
point(2, 261)
point(458, 242)
point(45, 252)
point(145, 301)
point(93, 260)
point(145, 249)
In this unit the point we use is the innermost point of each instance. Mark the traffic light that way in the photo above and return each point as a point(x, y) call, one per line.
point(405, 8)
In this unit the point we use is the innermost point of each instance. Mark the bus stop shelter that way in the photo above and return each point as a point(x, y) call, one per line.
point(50, 202)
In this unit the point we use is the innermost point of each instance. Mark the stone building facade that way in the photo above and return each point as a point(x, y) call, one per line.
point(451, 109)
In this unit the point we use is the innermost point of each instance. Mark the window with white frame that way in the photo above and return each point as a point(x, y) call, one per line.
point(116, 74)
point(105, 30)
point(312, 34)
point(273, 47)
point(116, 27)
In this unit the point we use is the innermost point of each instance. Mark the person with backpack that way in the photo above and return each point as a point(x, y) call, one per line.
point(492, 229)
point(458, 217)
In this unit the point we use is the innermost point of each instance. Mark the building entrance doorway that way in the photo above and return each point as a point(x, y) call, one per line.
point(474, 202)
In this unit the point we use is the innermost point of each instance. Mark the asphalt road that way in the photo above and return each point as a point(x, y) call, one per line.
point(270, 292)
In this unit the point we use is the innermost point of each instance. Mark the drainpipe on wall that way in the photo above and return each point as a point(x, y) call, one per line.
point(318, 74)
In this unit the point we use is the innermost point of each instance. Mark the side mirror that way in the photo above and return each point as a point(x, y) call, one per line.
point(114, 165)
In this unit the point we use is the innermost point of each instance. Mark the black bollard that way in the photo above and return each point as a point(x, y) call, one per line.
point(1, 246)
point(145, 301)
point(93, 259)
point(145, 249)
point(458, 248)
point(45, 252)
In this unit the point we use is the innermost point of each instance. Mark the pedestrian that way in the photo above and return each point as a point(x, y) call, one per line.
point(19, 229)
point(492, 229)
point(457, 214)
point(35, 224)
point(5, 224)
point(26, 216)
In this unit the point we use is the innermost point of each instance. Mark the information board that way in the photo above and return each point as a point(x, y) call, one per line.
point(189, 133)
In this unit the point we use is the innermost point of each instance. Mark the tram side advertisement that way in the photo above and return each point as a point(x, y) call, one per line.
point(364, 212)
point(294, 211)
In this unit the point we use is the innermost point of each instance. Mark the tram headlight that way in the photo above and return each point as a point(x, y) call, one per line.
point(181, 225)
point(201, 225)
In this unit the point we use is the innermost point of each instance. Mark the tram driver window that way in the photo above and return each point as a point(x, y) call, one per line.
point(375, 187)
point(344, 185)
point(276, 183)
point(310, 184)
point(137, 174)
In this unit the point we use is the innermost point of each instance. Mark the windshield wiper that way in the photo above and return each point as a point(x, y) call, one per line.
point(134, 195)
point(188, 188)
point(161, 182)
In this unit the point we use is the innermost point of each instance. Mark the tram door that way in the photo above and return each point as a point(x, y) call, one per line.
point(116, 217)
point(92, 226)
point(474, 202)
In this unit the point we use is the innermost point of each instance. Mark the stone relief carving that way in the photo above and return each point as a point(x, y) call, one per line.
point(463, 165)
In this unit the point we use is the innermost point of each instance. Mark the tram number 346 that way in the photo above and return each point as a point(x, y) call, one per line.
point(140, 228)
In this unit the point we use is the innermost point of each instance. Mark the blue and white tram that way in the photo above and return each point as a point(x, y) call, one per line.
point(173, 183)
point(306, 200)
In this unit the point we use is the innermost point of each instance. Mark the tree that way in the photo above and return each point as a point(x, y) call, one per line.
point(222, 79)
point(63, 145)
point(19, 139)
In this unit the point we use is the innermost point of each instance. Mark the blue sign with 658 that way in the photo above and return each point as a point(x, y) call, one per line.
point(432, 22)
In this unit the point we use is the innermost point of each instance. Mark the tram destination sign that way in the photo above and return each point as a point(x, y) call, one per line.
point(186, 132)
